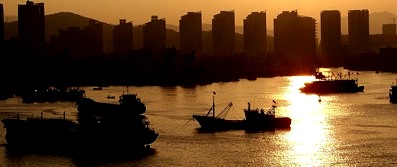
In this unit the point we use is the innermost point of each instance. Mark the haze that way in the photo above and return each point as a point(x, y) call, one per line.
point(139, 11)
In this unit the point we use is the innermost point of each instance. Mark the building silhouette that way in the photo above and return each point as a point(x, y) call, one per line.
point(154, 34)
point(255, 34)
point(295, 40)
point(330, 32)
point(190, 30)
point(94, 36)
point(389, 29)
point(123, 37)
point(223, 34)
point(358, 30)
point(387, 39)
point(31, 27)
point(2, 39)
point(75, 43)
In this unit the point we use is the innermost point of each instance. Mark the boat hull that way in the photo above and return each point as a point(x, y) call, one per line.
point(332, 86)
point(214, 124)
point(66, 135)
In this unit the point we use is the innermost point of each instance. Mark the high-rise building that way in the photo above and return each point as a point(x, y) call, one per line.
point(122, 37)
point(295, 40)
point(190, 30)
point(358, 29)
point(31, 27)
point(93, 34)
point(223, 34)
point(1, 24)
point(75, 43)
point(255, 34)
point(330, 32)
point(389, 29)
point(154, 34)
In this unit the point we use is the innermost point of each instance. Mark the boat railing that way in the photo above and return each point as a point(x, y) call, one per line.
point(331, 76)
point(270, 111)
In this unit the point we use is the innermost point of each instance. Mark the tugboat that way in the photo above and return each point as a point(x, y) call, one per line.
point(259, 119)
point(255, 119)
point(332, 84)
point(124, 124)
point(100, 128)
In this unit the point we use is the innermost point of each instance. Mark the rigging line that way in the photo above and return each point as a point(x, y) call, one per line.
point(189, 121)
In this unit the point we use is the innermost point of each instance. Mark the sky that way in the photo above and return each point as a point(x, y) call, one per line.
point(140, 11)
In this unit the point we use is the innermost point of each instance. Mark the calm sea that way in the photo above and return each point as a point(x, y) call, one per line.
point(358, 129)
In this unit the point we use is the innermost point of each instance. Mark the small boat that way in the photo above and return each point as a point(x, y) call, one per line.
point(393, 93)
point(255, 119)
point(97, 88)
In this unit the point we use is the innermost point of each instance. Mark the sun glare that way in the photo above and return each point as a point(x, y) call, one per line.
point(309, 137)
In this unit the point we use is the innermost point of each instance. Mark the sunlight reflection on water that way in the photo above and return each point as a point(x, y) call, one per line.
point(309, 140)
point(343, 129)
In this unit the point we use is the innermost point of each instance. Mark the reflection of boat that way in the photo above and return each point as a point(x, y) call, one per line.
point(332, 84)
point(255, 119)
point(52, 94)
point(393, 94)
point(98, 130)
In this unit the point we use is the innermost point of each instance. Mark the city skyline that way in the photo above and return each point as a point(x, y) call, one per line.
point(171, 10)
point(31, 19)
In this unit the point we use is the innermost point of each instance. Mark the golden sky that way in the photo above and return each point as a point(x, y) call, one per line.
point(139, 11)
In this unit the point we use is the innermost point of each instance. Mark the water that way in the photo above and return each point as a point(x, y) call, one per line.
point(358, 129)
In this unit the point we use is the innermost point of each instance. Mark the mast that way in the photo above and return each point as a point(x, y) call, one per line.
point(213, 104)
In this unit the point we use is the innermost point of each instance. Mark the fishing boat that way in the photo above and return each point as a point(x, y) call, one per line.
point(213, 121)
point(261, 119)
point(332, 84)
point(255, 119)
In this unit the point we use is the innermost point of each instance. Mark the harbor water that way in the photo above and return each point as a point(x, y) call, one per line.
point(347, 129)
